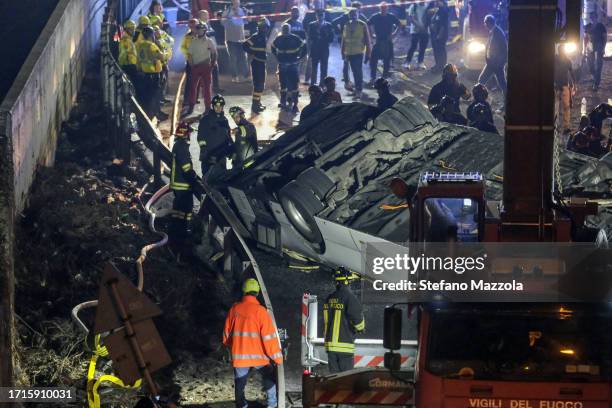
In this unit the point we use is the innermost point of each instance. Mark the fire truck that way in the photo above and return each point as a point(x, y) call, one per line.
point(495, 355)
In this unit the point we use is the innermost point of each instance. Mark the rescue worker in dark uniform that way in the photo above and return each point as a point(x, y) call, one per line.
point(245, 139)
point(255, 47)
point(183, 183)
point(343, 319)
point(445, 112)
point(385, 98)
point(289, 50)
point(215, 141)
point(448, 86)
point(481, 118)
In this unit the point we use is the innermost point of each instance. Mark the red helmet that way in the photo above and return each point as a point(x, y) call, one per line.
point(183, 129)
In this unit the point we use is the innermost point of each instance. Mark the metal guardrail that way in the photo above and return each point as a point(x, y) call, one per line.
point(126, 117)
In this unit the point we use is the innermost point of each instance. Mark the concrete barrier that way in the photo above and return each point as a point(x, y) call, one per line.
point(30, 118)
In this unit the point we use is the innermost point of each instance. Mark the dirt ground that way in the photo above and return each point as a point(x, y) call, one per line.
point(82, 213)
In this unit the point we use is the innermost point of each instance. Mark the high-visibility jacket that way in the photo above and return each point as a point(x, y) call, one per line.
point(167, 43)
point(354, 37)
point(255, 45)
point(343, 319)
point(127, 50)
point(289, 49)
point(250, 335)
point(150, 57)
point(182, 176)
point(185, 43)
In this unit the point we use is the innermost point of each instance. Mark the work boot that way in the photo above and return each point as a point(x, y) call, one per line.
point(257, 107)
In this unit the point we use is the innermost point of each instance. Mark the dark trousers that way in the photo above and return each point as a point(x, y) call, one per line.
point(596, 65)
point(355, 61)
point(150, 93)
point(491, 70)
point(182, 214)
point(215, 78)
point(289, 77)
point(213, 170)
point(338, 362)
point(258, 73)
point(419, 40)
point(319, 57)
point(131, 72)
point(345, 70)
point(439, 51)
point(383, 50)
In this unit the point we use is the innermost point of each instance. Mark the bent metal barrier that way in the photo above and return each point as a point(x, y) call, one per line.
point(127, 120)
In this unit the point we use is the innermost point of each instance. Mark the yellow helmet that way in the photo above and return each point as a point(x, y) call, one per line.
point(250, 285)
point(129, 24)
point(144, 21)
point(154, 20)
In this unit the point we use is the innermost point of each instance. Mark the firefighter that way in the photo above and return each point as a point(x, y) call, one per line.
point(150, 60)
point(215, 141)
point(448, 86)
point(255, 47)
point(385, 98)
point(289, 50)
point(480, 118)
point(143, 21)
point(250, 336)
point(245, 139)
point(127, 51)
point(343, 319)
point(183, 183)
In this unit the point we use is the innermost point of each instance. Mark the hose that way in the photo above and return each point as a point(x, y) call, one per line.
point(143, 254)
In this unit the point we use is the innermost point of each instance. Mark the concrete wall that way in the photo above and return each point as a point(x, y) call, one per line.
point(43, 93)
point(30, 118)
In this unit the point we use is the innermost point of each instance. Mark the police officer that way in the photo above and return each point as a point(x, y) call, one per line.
point(255, 47)
point(343, 319)
point(183, 183)
point(215, 141)
point(150, 60)
point(289, 50)
point(245, 139)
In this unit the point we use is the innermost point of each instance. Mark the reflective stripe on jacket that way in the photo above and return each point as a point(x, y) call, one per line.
point(255, 45)
point(181, 165)
point(343, 318)
point(150, 57)
point(250, 335)
point(289, 49)
point(127, 50)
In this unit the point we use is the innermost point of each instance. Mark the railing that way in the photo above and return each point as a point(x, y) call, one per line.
point(126, 119)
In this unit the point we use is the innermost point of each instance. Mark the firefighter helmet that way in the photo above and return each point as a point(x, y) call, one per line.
point(144, 21)
point(154, 20)
point(129, 24)
point(344, 275)
point(147, 31)
point(450, 71)
point(250, 286)
point(480, 92)
point(236, 109)
point(183, 129)
point(381, 84)
point(218, 100)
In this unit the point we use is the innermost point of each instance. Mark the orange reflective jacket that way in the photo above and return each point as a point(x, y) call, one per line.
point(250, 335)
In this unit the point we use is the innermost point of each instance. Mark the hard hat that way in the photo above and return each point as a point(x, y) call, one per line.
point(344, 275)
point(183, 129)
point(250, 285)
point(236, 109)
point(147, 31)
point(144, 21)
point(480, 92)
point(381, 83)
point(129, 24)
point(218, 100)
point(314, 89)
point(154, 20)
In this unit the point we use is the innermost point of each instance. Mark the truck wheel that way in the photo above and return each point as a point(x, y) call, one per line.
point(300, 205)
point(316, 180)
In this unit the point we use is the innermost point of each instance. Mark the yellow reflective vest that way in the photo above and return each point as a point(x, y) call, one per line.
point(127, 50)
point(353, 37)
point(150, 57)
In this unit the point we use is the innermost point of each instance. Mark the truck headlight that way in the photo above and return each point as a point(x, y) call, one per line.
point(570, 47)
point(475, 47)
